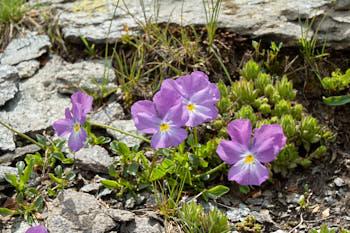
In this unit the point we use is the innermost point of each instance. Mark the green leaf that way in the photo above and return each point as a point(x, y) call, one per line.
point(6, 212)
point(20, 197)
point(70, 176)
point(157, 173)
point(12, 179)
point(31, 192)
point(58, 171)
point(102, 140)
point(38, 203)
point(132, 169)
point(67, 161)
point(41, 139)
point(55, 179)
point(110, 184)
point(20, 166)
point(337, 100)
point(38, 160)
point(27, 173)
point(51, 192)
point(217, 191)
point(120, 147)
point(112, 171)
point(244, 189)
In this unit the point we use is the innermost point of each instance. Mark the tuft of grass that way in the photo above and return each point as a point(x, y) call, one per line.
point(12, 11)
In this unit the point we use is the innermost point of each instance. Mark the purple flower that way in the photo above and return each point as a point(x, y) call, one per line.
point(37, 229)
point(72, 124)
point(199, 96)
point(248, 156)
point(163, 118)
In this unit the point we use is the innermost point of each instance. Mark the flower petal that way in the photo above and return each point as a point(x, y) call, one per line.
point(208, 95)
point(165, 99)
point(37, 229)
point(145, 116)
point(172, 137)
point(81, 105)
point(63, 126)
point(76, 140)
point(201, 114)
point(240, 131)
point(230, 152)
point(187, 85)
point(248, 174)
point(177, 114)
point(268, 141)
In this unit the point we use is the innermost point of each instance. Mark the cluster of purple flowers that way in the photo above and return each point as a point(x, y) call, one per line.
point(187, 101)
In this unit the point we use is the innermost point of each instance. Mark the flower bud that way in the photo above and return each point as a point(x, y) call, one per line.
point(285, 88)
point(289, 125)
point(250, 70)
point(247, 112)
point(319, 152)
point(297, 111)
point(262, 81)
point(265, 109)
point(269, 90)
point(283, 107)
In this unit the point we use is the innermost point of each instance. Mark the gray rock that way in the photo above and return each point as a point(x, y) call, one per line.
point(37, 105)
point(142, 225)
point(121, 215)
point(113, 111)
point(27, 69)
point(91, 187)
point(18, 153)
point(94, 159)
point(130, 203)
point(339, 182)
point(129, 127)
point(6, 170)
point(8, 78)
point(7, 141)
point(237, 214)
point(78, 212)
point(292, 198)
point(73, 77)
point(274, 19)
point(21, 227)
point(26, 48)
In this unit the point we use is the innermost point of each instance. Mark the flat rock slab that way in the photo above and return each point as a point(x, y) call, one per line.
point(113, 111)
point(94, 159)
point(142, 225)
point(26, 48)
point(83, 75)
point(77, 212)
point(126, 126)
point(27, 69)
point(6, 170)
point(274, 19)
point(8, 87)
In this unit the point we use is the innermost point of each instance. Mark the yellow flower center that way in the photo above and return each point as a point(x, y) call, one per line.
point(76, 127)
point(249, 159)
point(164, 127)
point(190, 107)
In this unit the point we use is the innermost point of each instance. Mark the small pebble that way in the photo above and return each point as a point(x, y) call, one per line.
point(339, 182)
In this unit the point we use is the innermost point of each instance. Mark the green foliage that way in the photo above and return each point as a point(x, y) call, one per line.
point(337, 100)
point(324, 229)
point(28, 200)
point(248, 225)
point(338, 81)
point(12, 10)
point(264, 100)
point(212, 12)
point(194, 220)
point(90, 50)
point(130, 170)
point(60, 179)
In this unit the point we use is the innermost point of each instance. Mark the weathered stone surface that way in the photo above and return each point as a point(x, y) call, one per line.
point(94, 159)
point(129, 127)
point(238, 214)
point(113, 111)
point(6, 142)
point(27, 69)
point(277, 20)
point(8, 88)
point(37, 105)
point(78, 212)
point(121, 215)
point(19, 152)
point(6, 170)
point(24, 49)
point(79, 75)
point(142, 225)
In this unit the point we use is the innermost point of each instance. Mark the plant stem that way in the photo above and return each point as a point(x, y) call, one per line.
point(195, 140)
point(119, 131)
point(152, 164)
point(22, 135)
point(211, 171)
